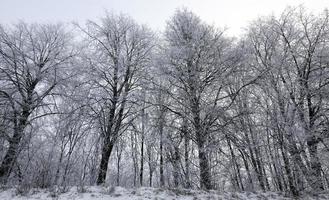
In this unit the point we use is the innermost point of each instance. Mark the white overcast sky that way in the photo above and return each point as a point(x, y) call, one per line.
point(234, 14)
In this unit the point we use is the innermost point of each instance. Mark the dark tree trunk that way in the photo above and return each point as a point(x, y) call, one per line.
point(287, 166)
point(118, 170)
point(106, 152)
point(10, 158)
point(255, 162)
point(314, 180)
point(315, 165)
point(205, 179)
point(150, 162)
point(201, 137)
point(176, 161)
point(142, 162)
point(151, 178)
point(162, 182)
point(265, 177)
point(142, 145)
point(246, 165)
point(236, 167)
point(134, 156)
point(255, 156)
point(187, 162)
point(12, 152)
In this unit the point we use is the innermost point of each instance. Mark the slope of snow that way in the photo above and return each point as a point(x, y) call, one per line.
point(119, 193)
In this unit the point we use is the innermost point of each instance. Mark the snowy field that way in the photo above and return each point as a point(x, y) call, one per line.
point(119, 193)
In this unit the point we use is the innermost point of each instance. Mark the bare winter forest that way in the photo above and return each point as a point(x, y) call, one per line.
point(112, 103)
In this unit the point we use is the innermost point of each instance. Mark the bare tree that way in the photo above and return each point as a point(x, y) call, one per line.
point(292, 49)
point(120, 50)
point(197, 66)
point(32, 63)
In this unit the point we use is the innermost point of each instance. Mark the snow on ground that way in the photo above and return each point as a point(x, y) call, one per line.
point(119, 193)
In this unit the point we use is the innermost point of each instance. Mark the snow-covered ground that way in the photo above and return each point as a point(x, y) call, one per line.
point(119, 193)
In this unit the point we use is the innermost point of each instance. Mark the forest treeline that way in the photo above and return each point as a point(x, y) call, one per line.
point(113, 102)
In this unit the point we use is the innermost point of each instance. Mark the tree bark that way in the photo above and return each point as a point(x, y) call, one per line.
point(142, 162)
point(292, 186)
point(12, 152)
point(315, 165)
point(106, 152)
point(176, 160)
point(162, 182)
point(10, 158)
point(187, 162)
point(205, 179)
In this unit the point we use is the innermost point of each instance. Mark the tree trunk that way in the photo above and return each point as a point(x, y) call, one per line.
point(312, 176)
point(287, 166)
point(59, 166)
point(134, 155)
point(9, 158)
point(151, 178)
point(205, 179)
point(176, 161)
point(250, 186)
point(150, 162)
point(315, 165)
point(255, 156)
point(142, 162)
point(118, 168)
point(187, 162)
point(236, 167)
point(201, 136)
point(106, 152)
point(162, 182)
point(12, 153)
